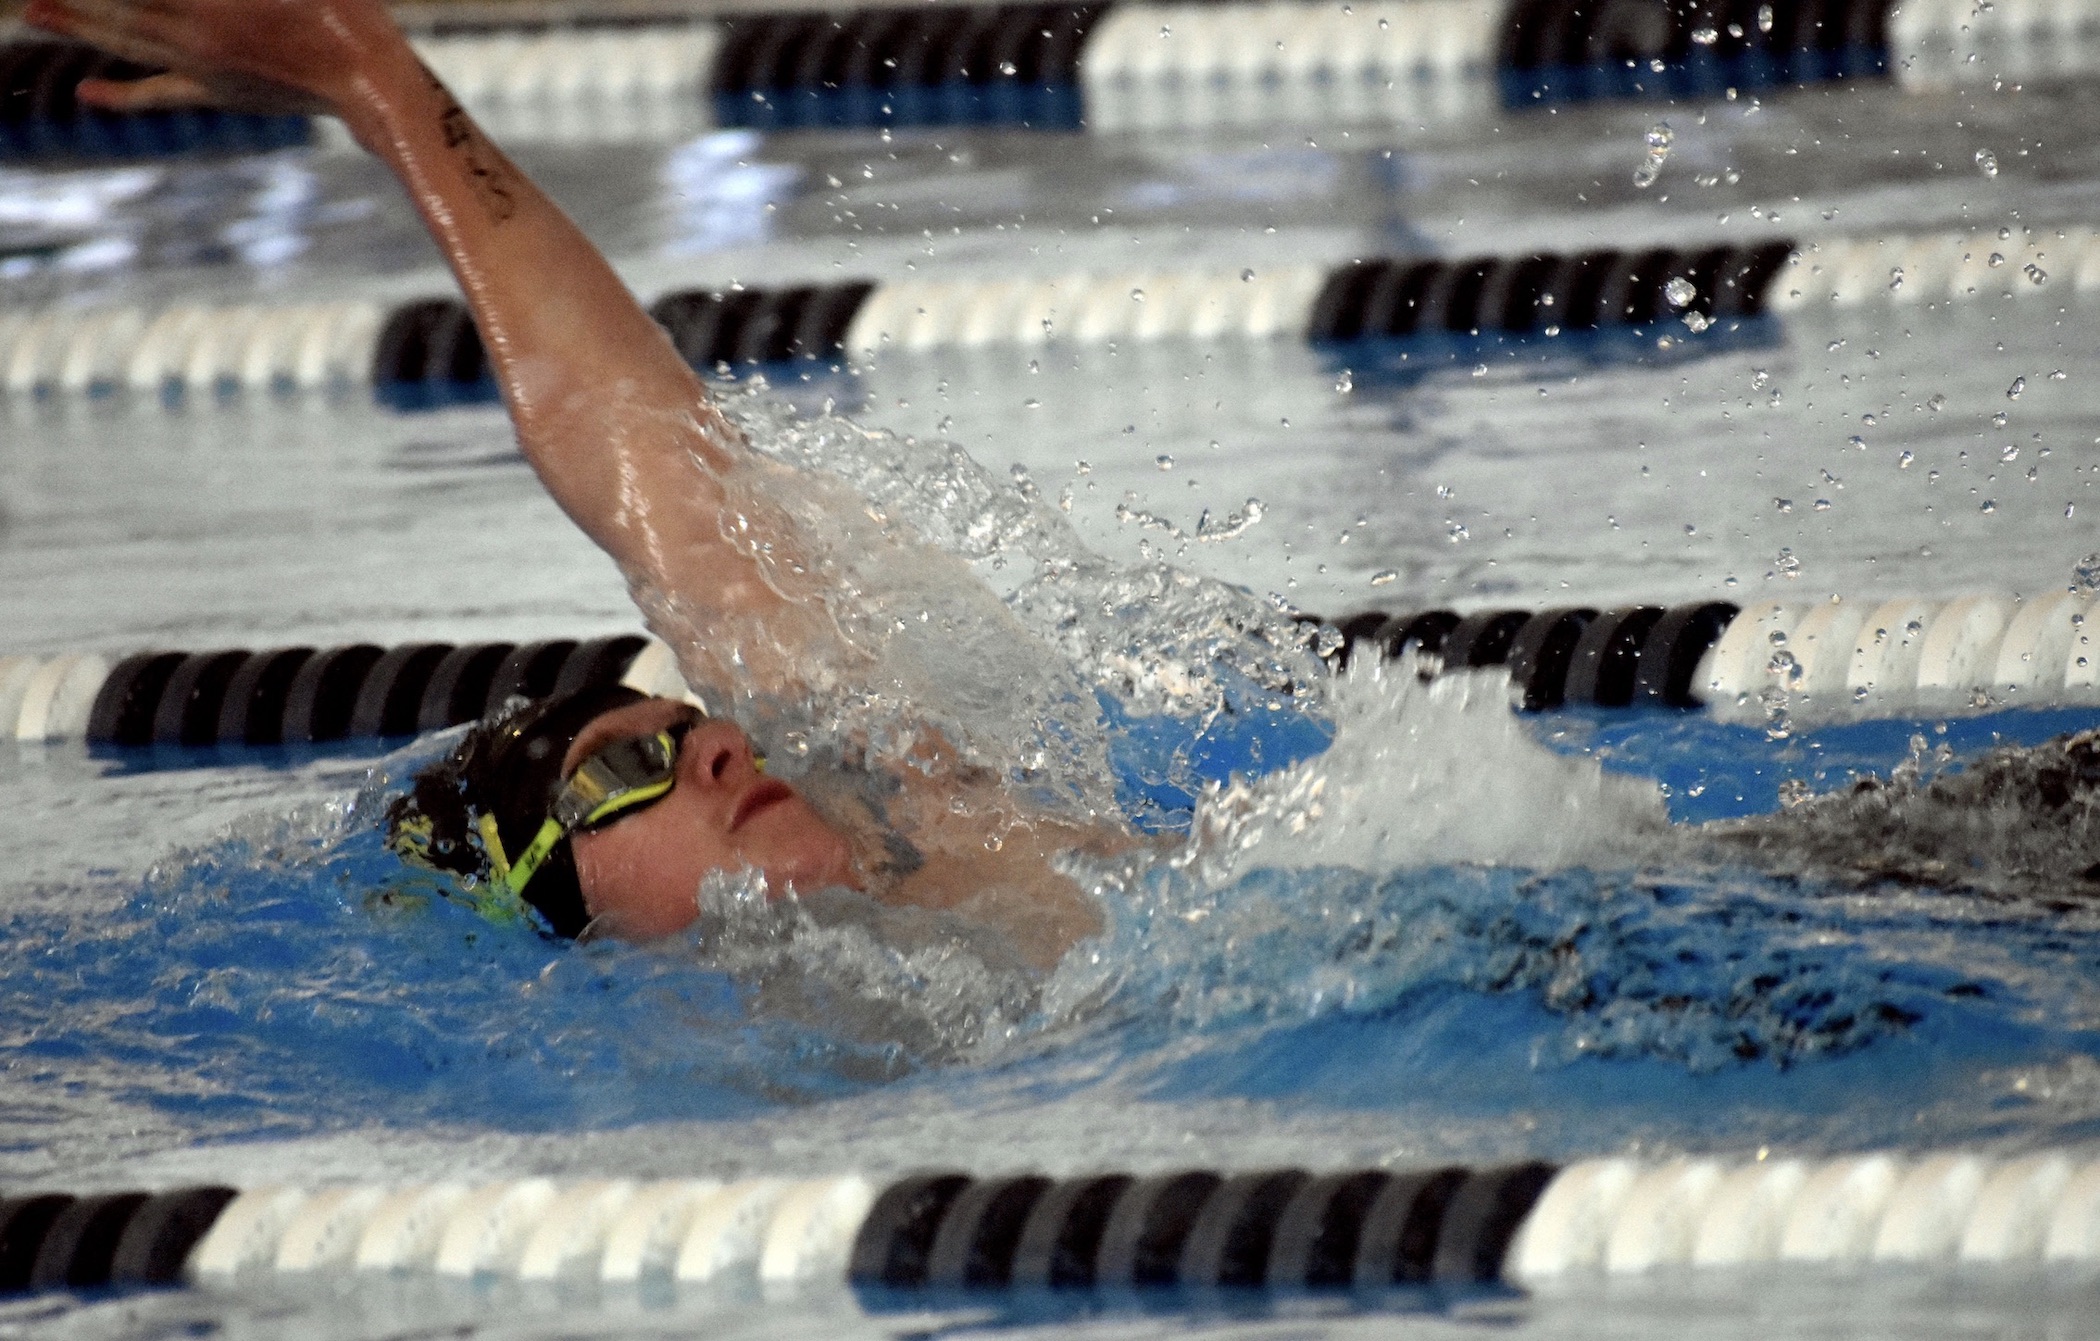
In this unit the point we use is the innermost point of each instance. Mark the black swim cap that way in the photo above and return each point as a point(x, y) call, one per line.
point(508, 767)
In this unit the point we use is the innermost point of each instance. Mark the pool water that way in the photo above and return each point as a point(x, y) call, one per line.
point(1457, 934)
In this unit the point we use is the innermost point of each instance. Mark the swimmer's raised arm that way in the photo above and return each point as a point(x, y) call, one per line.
point(606, 411)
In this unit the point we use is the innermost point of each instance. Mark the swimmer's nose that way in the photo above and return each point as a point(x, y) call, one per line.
point(718, 752)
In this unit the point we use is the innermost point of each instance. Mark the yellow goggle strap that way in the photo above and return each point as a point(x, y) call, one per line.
point(599, 790)
point(506, 890)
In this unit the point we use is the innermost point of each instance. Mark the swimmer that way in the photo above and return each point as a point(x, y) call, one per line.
point(607, 810)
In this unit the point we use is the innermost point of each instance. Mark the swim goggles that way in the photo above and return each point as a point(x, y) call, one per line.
point(613, 782)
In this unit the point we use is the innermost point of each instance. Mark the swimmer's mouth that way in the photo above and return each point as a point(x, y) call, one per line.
point(764, 796)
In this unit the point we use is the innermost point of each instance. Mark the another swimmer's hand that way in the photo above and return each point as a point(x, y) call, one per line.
point(267, 56)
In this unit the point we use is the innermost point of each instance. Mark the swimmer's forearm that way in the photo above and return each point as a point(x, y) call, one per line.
point(597, 393)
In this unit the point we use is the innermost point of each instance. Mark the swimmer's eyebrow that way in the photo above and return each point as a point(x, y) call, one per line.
point(630, 720)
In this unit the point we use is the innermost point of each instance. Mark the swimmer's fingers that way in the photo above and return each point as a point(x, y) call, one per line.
point(122, 30)
point(151, 94)
point(164, 92)
point(270, 58)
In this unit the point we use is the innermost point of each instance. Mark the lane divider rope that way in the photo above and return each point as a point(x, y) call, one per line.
point(1111, 67)
point(1930, 268)
point(1454, 1228)
point(306, 695)
point(1832, 658)
point(589, 84)
point(428, 352)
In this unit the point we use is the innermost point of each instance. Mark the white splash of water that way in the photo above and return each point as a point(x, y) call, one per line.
point(1441, 772)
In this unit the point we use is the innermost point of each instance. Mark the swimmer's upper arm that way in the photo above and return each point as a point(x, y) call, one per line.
point(620, 430)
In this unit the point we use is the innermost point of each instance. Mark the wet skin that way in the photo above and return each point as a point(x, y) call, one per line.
point(641, 873)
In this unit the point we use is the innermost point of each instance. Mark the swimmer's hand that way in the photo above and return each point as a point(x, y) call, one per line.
point(273, 57)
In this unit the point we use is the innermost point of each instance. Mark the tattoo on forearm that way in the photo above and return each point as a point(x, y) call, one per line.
point(493, 182)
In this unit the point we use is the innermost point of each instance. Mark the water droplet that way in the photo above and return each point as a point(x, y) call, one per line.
point(1247, 276)
point(1706, 37)
point(2085, 578)
point(1346, 383)
point(2012, 392)
point(1783, 504)
point(1680, 291)
point(1870, 419)
point(1937, 403)
point(1696, 321)
point(1656, 144)
point(1857, 441)
point(1995, 259)
point(1822, 505)
point(2010, 452)
point(1904, 459)
point(1913, 629)
point(1987, 162)
point(1999, 419)
point(1166, 30)
point(1759, 379)
point(1480, 370)
point(1764, 18)
point(1137, 295)
point(2036, 275)
point(1384, 577)
point(1789, 567)
point(1163, 461)
point(1690, 529)
point(1031, 404)
point(1895, 279)
point(1987, 506)
point(1009, 69)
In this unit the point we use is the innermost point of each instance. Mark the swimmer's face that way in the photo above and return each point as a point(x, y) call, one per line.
point(642, 872)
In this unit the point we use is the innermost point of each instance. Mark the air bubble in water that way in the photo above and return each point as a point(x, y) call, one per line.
point(2012, 392)
point(1987, 162)
point(1680, 291)
point(1657, 145)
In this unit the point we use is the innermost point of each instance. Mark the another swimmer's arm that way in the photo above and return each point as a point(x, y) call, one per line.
point(606, 411)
